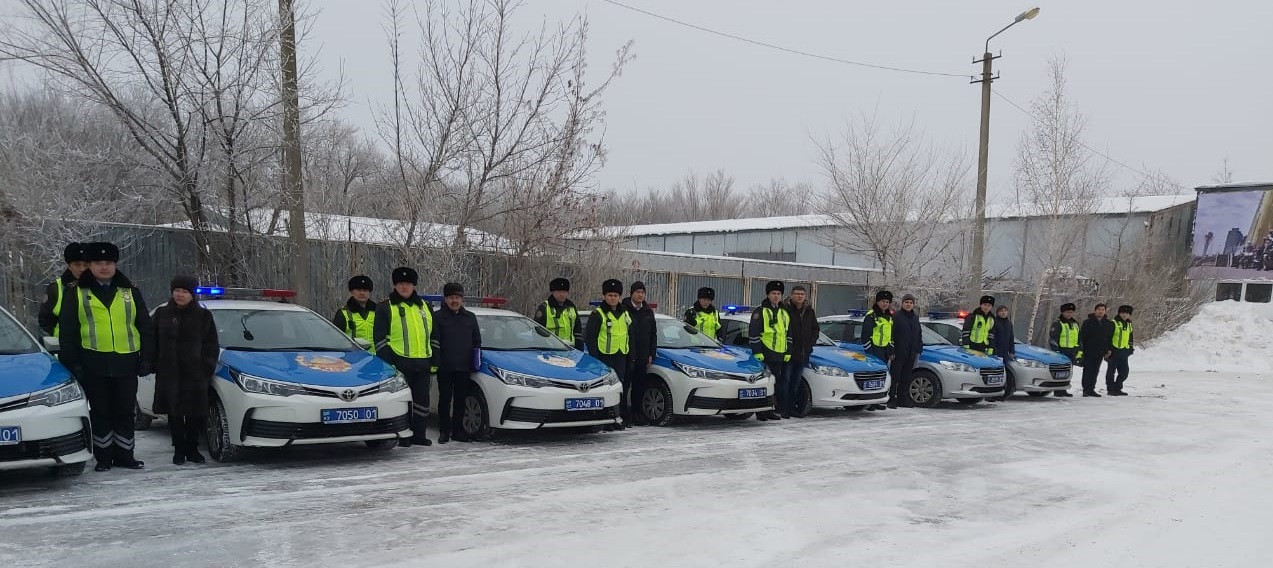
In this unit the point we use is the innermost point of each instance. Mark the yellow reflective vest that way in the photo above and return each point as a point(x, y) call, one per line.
point(110, 329)
point(409, 329)
point(612, 336)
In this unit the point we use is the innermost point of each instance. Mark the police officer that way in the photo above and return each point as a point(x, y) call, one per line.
point(403, 336)
point(55, 292)
point(641, 342)
point(1096, 337)
point(1064, 339)
point(106, 339)
point(877, 332)
point(607, 333)
point(459, 342)
point(1122, 346)
point(703, 315)
point(769, 335)
point(357, 318)
point(979, 327)
point(559, 315)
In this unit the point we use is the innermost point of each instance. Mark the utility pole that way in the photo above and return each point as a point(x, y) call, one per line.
point(983, 158)
point(292, 182)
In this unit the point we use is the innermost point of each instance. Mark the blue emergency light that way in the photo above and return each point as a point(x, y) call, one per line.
point(857, 313)
point(733, 309)
point(220, 292)
point(209, 291)
point(480, 300)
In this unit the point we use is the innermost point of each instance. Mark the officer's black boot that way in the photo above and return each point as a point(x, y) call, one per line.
point(192, 441)
point(444, 437)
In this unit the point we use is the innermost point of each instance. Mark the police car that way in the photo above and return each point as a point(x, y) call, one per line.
point(834, 377)
point(43, 414)
point(529, 379)
point(943, 372)
point(287, 376)
point(1034, 370)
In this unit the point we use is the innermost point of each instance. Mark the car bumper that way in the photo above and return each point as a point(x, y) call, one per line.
point(1033, 379)
point(967, 385)
point(529, 408)
point(713, 397)
point(829, 391)
point(50, 436)
point(271, 421)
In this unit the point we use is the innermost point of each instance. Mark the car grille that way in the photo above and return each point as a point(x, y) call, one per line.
point(14, 404)
point(709, 403)
point(867, 396)
point(540, 416)
point(864, 376)
point(581, 386)
point(986, 389)
point(1050, 384)
point(310, 430)
point(1059, 368)
point(315, 391)
point(47, 448)
point(991, 371)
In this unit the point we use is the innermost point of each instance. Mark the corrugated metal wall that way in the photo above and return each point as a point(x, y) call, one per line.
point(728, 290)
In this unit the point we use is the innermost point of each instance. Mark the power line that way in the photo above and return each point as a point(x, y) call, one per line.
point(1081, 143)
point(781, 48)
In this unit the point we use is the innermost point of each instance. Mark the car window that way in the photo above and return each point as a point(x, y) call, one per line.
point(832, 329)
point(517, 333)
point(931, 337)
point(278, 330)
point(735, 332)
point(824, 340)
point(950, 332)
point(676, 334)
point(13, 339)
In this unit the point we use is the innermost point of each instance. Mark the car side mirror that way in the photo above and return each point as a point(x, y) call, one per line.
point(363, 343)
point(52, 344)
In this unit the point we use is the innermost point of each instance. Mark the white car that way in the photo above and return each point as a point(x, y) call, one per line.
point(287, 376)
point(43, 414)
point(1034, 370)
point(528, 379)
point(835, 377)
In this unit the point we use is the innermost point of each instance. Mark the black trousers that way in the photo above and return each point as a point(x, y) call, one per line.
point(185, 431)
point(1091, 370)
point(1117, 370)
point(453, 386)
point(901, 368)
point(779, 370)
point(619, 364)
point(418, 381)
point(634, 381)
point(111, 401)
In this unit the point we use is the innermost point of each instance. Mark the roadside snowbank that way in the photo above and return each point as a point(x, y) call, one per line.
point(1225, 337)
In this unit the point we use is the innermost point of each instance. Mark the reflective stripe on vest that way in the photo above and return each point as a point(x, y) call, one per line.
point(708, 323)
point(882, 334)
point(357, 326)
point(409, 327)
point(561, 323)
point(57, 305)
point(1122, 334)
point(612, 338)
point(110, 329)
point(774, 334)
point(981, 326)
point(1069, 336)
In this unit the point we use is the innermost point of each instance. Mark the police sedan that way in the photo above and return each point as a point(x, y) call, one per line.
point(943, 372)
point(43, 414)
point(835, 376)
point(287, 376)
point(1034, 370)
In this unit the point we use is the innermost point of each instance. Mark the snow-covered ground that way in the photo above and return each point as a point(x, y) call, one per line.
point(1224, 337)
point(1175, 475)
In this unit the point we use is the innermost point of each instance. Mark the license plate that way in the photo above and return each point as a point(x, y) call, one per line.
point(994, 380)
point(1061, 375)
point(585, 403)
point(751, 393)
point(10, 435)
point(348, 415)
point(873, 384)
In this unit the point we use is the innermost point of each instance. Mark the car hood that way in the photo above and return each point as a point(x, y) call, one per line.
point(1026, 351)
point(852, 360)
point(956, 354)
point(30, 372)
point(319, 368)
point(725, 359)
point(561, 365)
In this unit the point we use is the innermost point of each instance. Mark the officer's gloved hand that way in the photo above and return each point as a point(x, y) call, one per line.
point(990, 351)
point(759, 357)
point(786, 358)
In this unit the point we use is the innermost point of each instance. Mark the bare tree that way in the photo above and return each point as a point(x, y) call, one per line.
point(1224, 174)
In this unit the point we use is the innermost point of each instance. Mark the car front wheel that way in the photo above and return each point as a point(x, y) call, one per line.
point(924, 389)
point(476, 417)
point(656, 403)
point(220, 446)
point(804, 400)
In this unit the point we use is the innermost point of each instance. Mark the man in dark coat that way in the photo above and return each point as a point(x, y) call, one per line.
point(459, 343)
point(55, 292)
point(1096, 340)
point(184, 358)
point(804, 335)
point(106, 338)
point(1004, 343)
point(877, 332)
point(1063, 338)
point(908, 343)
point(641, 346)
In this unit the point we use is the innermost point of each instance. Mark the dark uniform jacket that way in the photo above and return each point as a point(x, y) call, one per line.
point(966, 336)
point(184, 358)
point(48, 319)
point(641, 334)
point(1003, 338)
point(804, 330)
point(592, 329)
point(756, 329)
point(1054, 334)
point(691, 317)
point(456, 335)
point(354, 308)
point(83, 362)
point(541, 317)
point(868, 329)
point(380, 331)
point(1096, 337)
point(908, 339)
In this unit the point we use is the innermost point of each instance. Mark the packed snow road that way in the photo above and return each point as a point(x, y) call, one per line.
point(1175, 475)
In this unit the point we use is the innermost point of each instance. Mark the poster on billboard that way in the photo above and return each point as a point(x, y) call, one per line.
point(1233, 233)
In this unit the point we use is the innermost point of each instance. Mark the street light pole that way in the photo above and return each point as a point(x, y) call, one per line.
point(983, 157)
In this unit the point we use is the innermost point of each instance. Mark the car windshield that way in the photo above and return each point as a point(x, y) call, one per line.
point(278, 330)
point(931, 337)
point(517, 333)
point(676, 334)
point(13, 339)
point(824, 340)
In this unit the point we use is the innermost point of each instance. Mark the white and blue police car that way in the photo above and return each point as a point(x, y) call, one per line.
point(835, 377)
point(1033, 370)
point(943, 372)
point(43, 414)
point(287, 376)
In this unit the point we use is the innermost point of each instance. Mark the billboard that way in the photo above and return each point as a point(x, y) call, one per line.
point(1233, 233)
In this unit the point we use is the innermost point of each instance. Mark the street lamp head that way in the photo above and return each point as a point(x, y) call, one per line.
point(1027, 15)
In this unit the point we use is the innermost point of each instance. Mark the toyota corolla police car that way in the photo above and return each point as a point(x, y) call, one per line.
point(43, 414)
point(1034, 370)
point(528, 379)
point(943, 372)
point(287, 376)
point(834, 377)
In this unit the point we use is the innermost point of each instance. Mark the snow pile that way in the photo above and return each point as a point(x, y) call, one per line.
point(1226, 337)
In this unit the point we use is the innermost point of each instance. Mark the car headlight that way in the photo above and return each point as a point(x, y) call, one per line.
point(69, 391)
point(611, 378)
point(258, 385)
point(830, 371)
point(521, 379)
point(957, 367)
point(1031, 363)
point(701, 373)
point(394, 384)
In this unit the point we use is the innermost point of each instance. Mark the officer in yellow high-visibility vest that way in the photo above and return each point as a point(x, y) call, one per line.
point(403, 336)
point(979, 327)
point(106, 339)
point(559, 315)
point(1064, 339)
point(769, 336)
point(55, 293)
point(877, 332)
point(1123, 346)
point(357, 318)
point(606, 335)
point(703, 314)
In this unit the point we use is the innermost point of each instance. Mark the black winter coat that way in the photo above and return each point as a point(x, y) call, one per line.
point(184, 358)
point(908, 339)
point(48, 319)
point(804, 330)
point(641, 334)
point(84, 363)
point(455, 335)
point(1004, 338)
point(1096, 337)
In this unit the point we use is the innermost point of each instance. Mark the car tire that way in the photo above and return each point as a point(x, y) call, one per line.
point(924, 389)
point(804, 400)
point(67, 469)
point(220, 446)
point(1037, 394)
point(968, 401)
point(475, 415)
point(740, 416)
point(656, 402)
point(140, 420)
point(381, 445)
